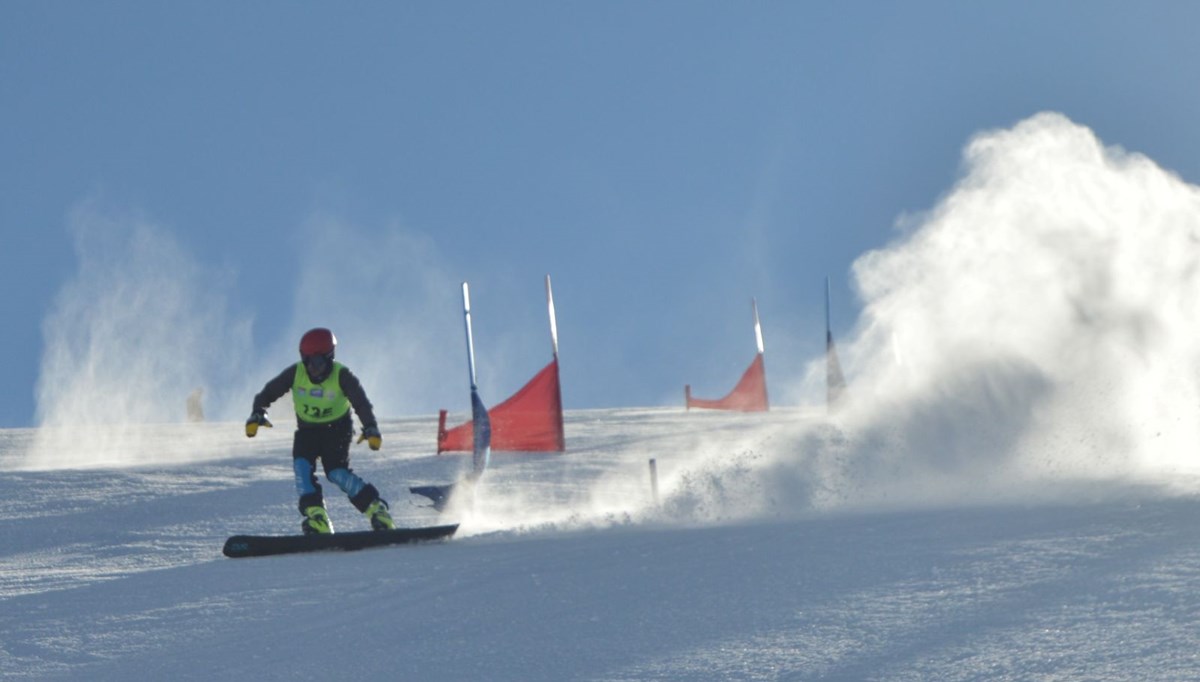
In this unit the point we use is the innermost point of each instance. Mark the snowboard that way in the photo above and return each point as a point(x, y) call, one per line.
point(239, 546)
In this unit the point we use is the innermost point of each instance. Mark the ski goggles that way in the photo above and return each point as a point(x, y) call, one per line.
point(317, 365)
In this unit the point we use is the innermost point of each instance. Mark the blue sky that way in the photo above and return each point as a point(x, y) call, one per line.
point(304, 164)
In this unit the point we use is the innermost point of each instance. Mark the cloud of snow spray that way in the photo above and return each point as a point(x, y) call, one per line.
point(128, 340)
point(1037, 333)
point(142, 326)
point(394, 308)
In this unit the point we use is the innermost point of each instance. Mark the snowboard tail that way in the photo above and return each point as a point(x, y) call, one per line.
point(461, 494)
point(239, 546)
point(438, 494)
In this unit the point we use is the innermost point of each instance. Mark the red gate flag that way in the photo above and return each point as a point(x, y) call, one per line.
point(529, 421)
point(749, 395)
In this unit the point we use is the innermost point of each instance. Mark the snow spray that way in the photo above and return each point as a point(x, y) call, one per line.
point(127, 341)
point(1034, 333)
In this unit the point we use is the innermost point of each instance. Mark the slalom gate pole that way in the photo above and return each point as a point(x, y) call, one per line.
point(654, 481)
point(553, 317)
point(758, 337)
point(466, 295)
point(481, 451)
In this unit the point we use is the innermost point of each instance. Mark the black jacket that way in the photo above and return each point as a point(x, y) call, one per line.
point(350, 385)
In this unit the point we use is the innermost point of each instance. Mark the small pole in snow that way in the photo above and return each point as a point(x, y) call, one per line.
point(653, 481)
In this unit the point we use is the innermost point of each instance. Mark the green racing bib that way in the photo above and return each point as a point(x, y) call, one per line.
point(319, 403)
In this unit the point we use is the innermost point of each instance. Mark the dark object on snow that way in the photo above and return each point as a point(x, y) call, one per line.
point(240, 546)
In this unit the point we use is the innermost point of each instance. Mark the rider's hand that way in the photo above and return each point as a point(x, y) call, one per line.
point(256, 420)
point(372, 436)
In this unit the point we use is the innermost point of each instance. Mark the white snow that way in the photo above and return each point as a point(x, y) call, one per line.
point(1012, 491)
point(773, 553)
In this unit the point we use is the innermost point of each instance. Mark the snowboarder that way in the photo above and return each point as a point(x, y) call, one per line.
point(323, 392)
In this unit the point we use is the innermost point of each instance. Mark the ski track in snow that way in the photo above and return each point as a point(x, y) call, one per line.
point(565, 570)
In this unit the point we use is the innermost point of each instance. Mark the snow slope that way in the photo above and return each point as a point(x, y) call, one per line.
point(770, 555)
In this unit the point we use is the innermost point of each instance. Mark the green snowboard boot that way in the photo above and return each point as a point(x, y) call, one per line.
point(316, 521)
point(379, 516)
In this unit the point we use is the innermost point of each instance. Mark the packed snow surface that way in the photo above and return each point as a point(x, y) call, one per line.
point(770, 553)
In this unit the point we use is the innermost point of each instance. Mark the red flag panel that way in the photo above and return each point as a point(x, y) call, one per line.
point(530, 420)
point(749, 395)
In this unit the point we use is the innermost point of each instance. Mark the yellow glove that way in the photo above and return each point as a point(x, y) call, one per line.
point(256, 420)
point(372, 436)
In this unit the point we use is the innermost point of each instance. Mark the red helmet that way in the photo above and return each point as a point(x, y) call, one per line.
point(316, 351)
point(319, 341)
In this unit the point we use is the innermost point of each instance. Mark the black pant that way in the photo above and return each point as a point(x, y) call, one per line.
point(331, 444)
